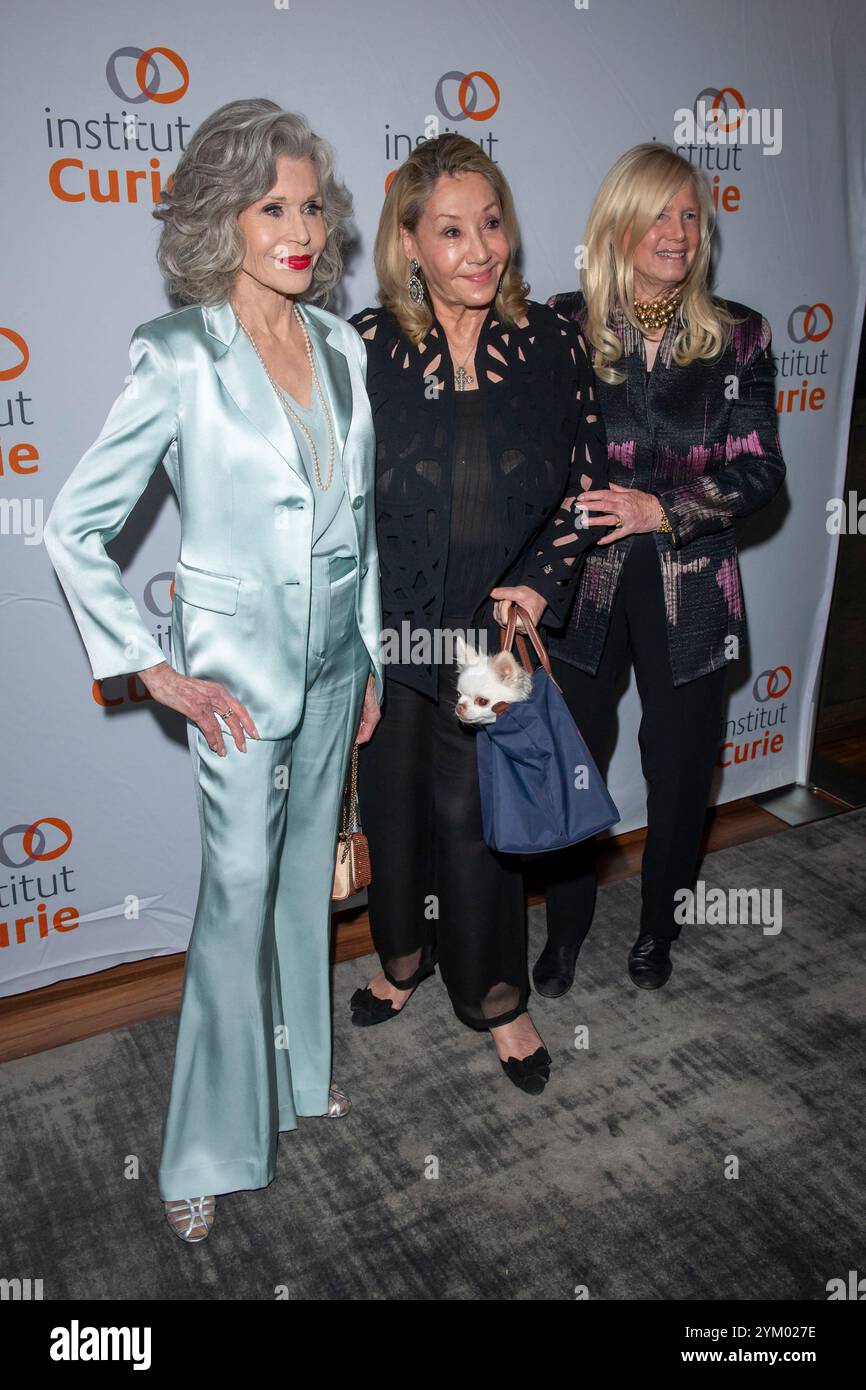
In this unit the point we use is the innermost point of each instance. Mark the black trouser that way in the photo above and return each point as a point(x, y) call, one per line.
point(439, 894)
point(678, 738)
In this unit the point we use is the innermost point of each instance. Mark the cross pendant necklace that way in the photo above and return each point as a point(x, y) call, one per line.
point(462, 378)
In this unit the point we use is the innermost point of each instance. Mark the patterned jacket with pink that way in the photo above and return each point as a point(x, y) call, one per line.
point(704, 439)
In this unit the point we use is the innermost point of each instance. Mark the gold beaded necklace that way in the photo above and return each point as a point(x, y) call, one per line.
point(311, 444)
point(657, 313)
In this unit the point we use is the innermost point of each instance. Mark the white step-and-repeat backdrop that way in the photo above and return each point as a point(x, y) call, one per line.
point(99, 845)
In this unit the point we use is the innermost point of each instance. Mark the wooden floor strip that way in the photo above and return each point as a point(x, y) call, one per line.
point(65, 1012)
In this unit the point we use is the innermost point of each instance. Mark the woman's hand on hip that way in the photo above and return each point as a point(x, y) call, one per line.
point(200, 700)
point(530, 599)
point(370, 713)
point(628, 509)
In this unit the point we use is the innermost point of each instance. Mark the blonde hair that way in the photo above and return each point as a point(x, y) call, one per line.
point(404, 203)
point(630, 198)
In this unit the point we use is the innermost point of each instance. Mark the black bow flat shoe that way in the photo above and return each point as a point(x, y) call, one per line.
point(367, 1008)
point(530, 1074)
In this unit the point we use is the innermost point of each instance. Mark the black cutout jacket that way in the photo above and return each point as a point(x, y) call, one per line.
point(545, 441)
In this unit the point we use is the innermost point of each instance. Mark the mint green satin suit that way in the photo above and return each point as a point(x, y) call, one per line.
point(290, 633)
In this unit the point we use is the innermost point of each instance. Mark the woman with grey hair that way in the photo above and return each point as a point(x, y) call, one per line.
point(253, 398)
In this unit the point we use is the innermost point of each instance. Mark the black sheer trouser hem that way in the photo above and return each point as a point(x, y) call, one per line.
point(439, 896)
point(480, 1023)
point(425, 965)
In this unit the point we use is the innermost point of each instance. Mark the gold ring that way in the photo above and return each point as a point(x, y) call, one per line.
point(228, 714)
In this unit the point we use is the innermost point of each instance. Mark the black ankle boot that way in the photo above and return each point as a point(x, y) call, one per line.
point(553, 972)
point(649, 962)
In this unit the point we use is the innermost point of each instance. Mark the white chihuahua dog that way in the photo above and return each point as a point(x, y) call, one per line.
point(486, 681)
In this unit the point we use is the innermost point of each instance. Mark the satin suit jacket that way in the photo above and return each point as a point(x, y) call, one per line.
point(200, 402)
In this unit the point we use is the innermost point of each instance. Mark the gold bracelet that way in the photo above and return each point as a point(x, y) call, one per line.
point(664, 525)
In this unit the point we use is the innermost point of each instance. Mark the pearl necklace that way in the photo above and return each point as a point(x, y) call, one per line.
point(311, 444)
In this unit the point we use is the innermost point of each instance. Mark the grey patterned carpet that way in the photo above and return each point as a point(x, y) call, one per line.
point(614, 1180)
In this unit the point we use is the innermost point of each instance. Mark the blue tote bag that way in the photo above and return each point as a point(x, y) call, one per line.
point(540, 787)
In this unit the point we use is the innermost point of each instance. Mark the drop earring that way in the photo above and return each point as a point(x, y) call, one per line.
point(414, 283)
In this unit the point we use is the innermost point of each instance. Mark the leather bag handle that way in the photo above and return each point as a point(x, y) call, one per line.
point(508, 634)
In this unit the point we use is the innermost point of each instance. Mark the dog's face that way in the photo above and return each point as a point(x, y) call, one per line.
point(484, 681)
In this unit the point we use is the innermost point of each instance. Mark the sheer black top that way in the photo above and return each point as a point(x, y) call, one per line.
point(476, 489)
point(476, 549)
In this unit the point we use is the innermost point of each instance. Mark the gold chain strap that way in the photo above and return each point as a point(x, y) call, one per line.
point(350, 804)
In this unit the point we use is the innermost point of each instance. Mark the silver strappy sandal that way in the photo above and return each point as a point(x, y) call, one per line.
point(338, 1103)
point(187, 1214)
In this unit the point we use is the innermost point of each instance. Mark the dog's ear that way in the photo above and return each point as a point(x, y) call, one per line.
point(466, 654)
point(505, 667)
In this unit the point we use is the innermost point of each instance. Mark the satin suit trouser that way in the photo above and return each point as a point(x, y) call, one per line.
point(254, 1038)
point(678, 739)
